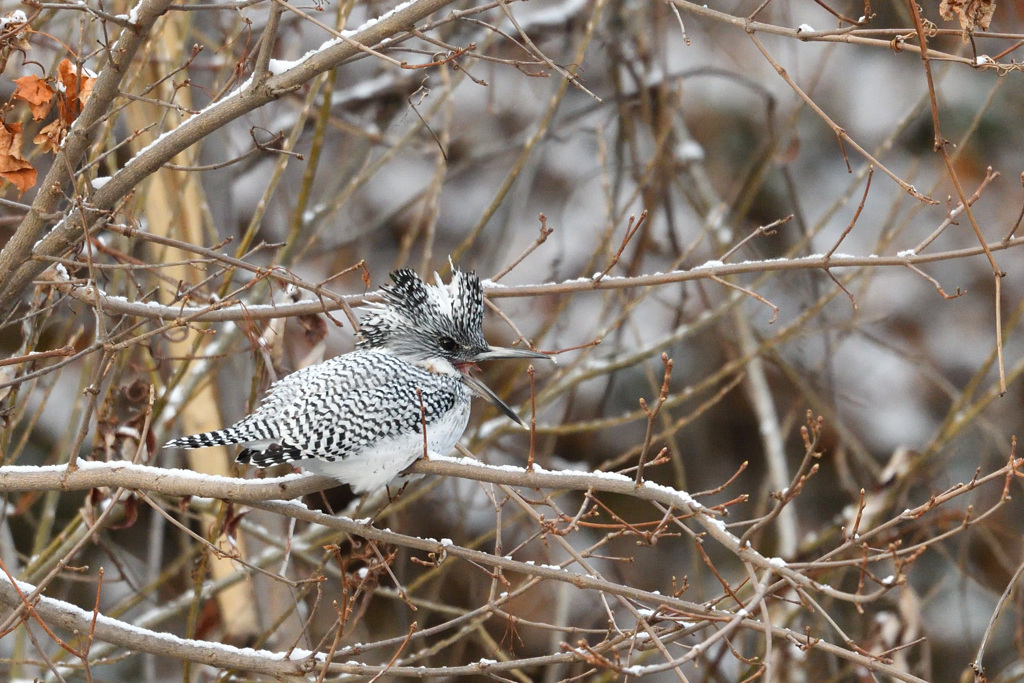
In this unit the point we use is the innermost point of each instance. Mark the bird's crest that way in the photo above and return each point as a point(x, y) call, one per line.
point(418, 319)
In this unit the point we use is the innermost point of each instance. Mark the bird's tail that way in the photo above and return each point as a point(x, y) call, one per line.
point(221, 437)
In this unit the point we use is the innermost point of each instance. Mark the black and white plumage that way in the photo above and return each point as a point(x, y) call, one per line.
point(359, 417)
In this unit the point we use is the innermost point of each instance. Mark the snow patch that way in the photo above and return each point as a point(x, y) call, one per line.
point(707, 265)
point(15, 17)
point(690, 151)
point(279, 66)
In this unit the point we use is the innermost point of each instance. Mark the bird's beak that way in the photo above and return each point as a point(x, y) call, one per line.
point(500, 353)
point(479, 387)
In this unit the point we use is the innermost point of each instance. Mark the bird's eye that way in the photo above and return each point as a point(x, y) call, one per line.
point(448, 344)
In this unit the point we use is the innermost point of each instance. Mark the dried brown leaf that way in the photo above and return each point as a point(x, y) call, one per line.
point(77, 88)
point(86, 83)
point(51, 136)
point(14, 168)
point(231, 520)
point(973, 14)
point(131, 512)
point(314, 326)
point(37, 93)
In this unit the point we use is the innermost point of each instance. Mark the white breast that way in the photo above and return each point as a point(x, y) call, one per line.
point(373, 467)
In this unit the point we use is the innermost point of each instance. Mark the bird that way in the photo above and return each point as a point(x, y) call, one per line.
point(362, 418)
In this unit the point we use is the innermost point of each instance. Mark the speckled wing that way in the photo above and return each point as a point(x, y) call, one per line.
point(345, 406)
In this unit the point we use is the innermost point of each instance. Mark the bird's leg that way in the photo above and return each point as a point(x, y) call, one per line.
point(398, 494)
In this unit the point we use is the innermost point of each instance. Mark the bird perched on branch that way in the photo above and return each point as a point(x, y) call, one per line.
point(363, 417)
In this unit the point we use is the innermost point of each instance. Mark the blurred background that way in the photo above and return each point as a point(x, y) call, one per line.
point(619, 146)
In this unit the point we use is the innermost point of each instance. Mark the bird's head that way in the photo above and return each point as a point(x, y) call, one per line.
point(420, 322)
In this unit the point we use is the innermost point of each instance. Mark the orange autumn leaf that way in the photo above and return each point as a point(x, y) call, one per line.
point(37, 93)
point(68, 75)
point(85, 90)
point(77, 89)
point(14, 168)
